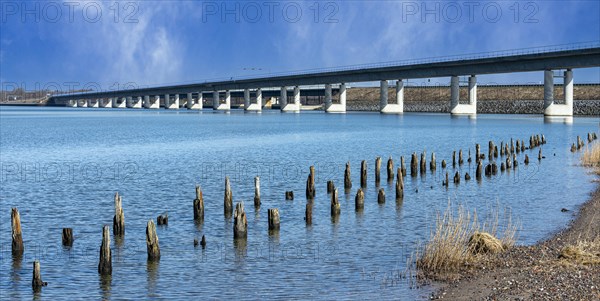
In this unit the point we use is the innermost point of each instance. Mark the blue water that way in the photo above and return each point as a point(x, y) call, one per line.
point(62, 166)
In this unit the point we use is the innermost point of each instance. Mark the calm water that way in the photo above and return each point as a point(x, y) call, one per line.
point(61, 168)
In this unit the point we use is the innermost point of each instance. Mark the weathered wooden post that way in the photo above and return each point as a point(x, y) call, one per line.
point(227, 198)
point(390, 169)
point(381, 196)
point(526, 161)
point(502, 149)
point(347, 177)
point(289, 195)
point(359, 200)
point(312, 182)
point(490, 149)
point(478, 171)
point(256, 191)
point(152, 241)
point(105, 264)
point(543, 139)
point(423, 163)
point(508, 162)
point(308, 213)
point(488, 170)
point(363, 173)
point(240, 223)
point(518, 149)
point(199, 205)
point(477, 152)
point(445, 183)
point(460, 157)
point(432, 164)
point(469, 158)
point(335, 203)
point(310, 189)
point(273, 219)
point(413, 165)
point(377, 170)
point(403, 166)
point(457, 178)
point(330, 186)
point(494, 168)
point(203, 242)
point(399, 186)
point(119, 218)
point(162, 219)
point(502, 167)
point(453, 159)
point(522, 146)
point(36, 282)
point(540, 155)
point(67, 237)
point(17, 236)
point(495, 151)
point(467, 176)
point(443, 163)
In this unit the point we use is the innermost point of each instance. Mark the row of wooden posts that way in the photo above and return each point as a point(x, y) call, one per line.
point(579, 143)
point(240, 222)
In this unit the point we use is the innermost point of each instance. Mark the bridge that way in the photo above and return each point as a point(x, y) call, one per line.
point(219, 93)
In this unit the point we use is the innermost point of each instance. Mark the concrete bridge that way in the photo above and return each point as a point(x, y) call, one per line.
point(290, 85)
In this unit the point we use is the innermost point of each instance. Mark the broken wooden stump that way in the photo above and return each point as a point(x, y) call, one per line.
point(467, 176)
point(227, 198)
point(469, 158)
point(152, 241)
point(330, 186)
point(310, 184)
point(390, 169)
point(502, 167)
point(359, 200)
point(445, 183)
point(488, 170)
point(494, 168)
point(522, 146)
point(495, 151)
point(443, 163)
point(540, 155)
point(203, 242)
point(240, 223)
point(413, 165)
point(17, 235)
point(308, 213)
point(502, 149)
point(105, 263)
point(119, 218)
point(432, 164)
point(526, 161)
point(256, 192)
point(335, 203)
point(273, 219)
point(377, 170)
point(515, 163)
point(508, 162)
point(289, 195)
point(423, 163)
point(363, 173)
point(478, 171)
point(67, 237)
point(347, 177)
point(402, 166)
point(399, 186)
point(36, 282)
point(199, 205)
point(163, 219)
point(518, 149)
point(453, 159)
point(381, 196)
point(457, 178)
point(460, 157)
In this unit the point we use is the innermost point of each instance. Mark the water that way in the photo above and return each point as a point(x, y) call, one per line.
point(62, 166)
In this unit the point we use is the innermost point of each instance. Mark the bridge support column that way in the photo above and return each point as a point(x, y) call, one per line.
point(82, 103)
point(400, 95)
point(128, 103)
point(71, 103)
point(341, 107)
point(120, 103)
point(551, 108)
point(137, 103)
point(328, 94)
point(172, 105)
point(455, 106)
point(246, 99)
point(152, 104)
point(92, 103)
point(106, 103)
point(255, 106)
point(384, 106)
point(290, 107)
point(217, 105)
point(192, 104)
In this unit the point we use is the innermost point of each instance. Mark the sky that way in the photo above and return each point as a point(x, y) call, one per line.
point(107, 45)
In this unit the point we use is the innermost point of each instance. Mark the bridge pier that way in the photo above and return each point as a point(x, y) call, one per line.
point(71, 103)
point(92, 103)
point(106, 103)
point(551, 108)
point(384, 106)
point(172, 105)
point(337, 107)
point(400, 95)
point(119, 103)
point(82, 103)
point(192, 104)
point(457, 108)
point(248, 105)
point(217, 105)
point(152, 104)
point(327, 103)
point(289, 107)
point(134, 102)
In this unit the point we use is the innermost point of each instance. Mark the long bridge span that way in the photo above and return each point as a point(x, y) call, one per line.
point(289, 86)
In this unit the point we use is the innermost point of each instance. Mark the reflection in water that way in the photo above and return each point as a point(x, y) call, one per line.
point(16, 268)
point(198, 224)
point(240, 246)
point(558, 119)
point(152, 267)
point(105, 286)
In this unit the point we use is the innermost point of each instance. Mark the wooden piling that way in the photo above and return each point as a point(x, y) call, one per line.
point(478, 171)
point(522, 146)
point(227, 198)
point(377, 170)
point(518, 149)
point(502, 149)
point(17, 235)
point(105, 263)
point(495, 151)
point(423, 163)
point(443, 163)
point(381, 196)
point(308, 213)
point(347, 177)
point(543, 139)
point(457, 178)
point(256, 191)
point(540, 155)
point(432, 164)
point(445, 183)
point(312, 181)
point(502, 167)
point(490, 149)
point(363, 173)
point(467, 176)
point(335, 203)
point(203, 242)
point(163, 219)
point(119, 218)
point(488, 170)
point(453, 159)
point(403, 166)
point(152, 241)
point(390, 169)
point(477, 152)
point(494, 168)
point(330, 186)
point(199, 204)
point(273, 219)
point(515, 163)
point(526, 161)
point(289, 195)
point(460, 157)
point(399, 186)
point(240, 223)
point(469, 156)
point(413, 165)
point(36, 281)
point(67, 237)
point(359, 200)
point(508, 162)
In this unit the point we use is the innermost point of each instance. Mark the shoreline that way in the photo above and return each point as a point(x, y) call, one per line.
point(535, 272)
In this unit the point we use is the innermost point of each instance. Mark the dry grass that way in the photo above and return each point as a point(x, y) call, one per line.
point(460, 239)
point(584, 252)
point(591, 156)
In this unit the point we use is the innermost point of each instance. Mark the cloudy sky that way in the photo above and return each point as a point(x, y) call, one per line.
point(111, 44)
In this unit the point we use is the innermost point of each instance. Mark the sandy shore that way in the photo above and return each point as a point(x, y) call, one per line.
point(536, 272)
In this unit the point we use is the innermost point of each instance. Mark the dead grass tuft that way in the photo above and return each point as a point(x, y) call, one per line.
point(591, 156)
point(584, 252)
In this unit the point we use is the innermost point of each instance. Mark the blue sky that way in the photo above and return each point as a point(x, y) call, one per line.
point(108, 44)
